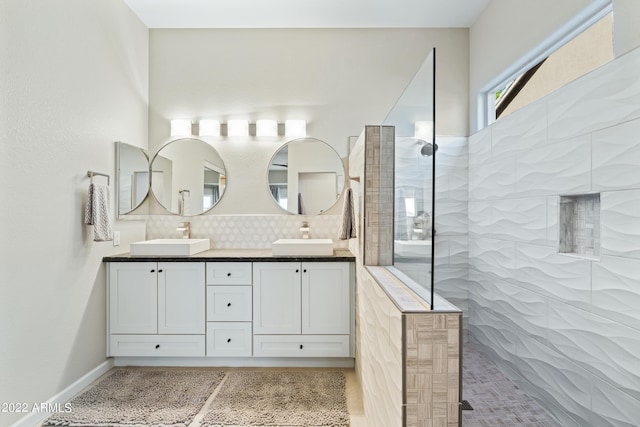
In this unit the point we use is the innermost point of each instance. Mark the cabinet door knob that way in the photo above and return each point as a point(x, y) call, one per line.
point(153, 270)
point(228, 339)
point(301, 346)
point(228, 304)
point(228, 274)
point(297, 270)
point(304, 271)
point(160, 271)
point(157, 345)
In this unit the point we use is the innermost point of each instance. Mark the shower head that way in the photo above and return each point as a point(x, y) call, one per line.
point(427, 149)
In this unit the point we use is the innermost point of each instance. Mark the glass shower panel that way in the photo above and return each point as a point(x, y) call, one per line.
point(413, 117)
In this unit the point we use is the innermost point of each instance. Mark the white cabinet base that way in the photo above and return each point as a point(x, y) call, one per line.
point(157, 345)
point(301, 346)
point(238, 362)
point(229, 339)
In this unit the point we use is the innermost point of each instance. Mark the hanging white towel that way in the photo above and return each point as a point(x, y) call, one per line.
point(97, 213)
point(348, 229)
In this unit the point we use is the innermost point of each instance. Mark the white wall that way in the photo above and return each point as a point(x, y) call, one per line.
point(73, 78)
point(339, 80)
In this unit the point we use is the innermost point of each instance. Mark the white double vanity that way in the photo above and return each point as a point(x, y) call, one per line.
point(231, 307)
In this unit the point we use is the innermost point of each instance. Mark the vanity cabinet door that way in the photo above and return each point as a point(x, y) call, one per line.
point(181, 298)
point(326, 298)
point(133, 298)
point(276, 298)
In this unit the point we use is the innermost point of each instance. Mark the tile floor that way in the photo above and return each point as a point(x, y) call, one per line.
point(496, 401)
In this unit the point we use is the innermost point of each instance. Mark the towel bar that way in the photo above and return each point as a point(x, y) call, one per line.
point(91, 174)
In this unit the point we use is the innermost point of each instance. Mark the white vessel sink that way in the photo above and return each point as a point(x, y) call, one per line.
point(302, 247)
point(169, 247)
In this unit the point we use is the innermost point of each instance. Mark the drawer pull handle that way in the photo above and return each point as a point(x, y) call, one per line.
point(297, 271)
point(153, 271)
point(160, 271)
point(304, 271)
point(228, 304)
point(228, 339)
point(301, 346)
point(228, 274)
point(157, 345)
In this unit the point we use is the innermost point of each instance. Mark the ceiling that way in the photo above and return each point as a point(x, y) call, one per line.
point(307, 13)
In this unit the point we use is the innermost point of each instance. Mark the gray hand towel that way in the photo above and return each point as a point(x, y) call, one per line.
point(97, 213)
point(348, 229)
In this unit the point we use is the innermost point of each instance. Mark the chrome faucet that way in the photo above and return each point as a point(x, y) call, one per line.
point(185, 227)
point(305, 229)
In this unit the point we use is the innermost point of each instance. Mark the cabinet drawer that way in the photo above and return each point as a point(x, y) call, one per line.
point(229, 339)
point(301, 346)
point(229, 303)
point(229, 273)
point(157, 345)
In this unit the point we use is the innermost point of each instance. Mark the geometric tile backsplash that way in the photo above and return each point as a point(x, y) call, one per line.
point(246, 231)
point(579, 232)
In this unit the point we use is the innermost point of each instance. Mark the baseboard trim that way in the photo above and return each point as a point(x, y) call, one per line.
point(243, 362)
point(35, 419)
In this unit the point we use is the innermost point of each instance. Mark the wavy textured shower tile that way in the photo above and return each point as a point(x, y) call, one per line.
point(556, 381)
point(451, 218)
point(612, 407)
point(542, 270)
point(453, 152)
point(493, 180)
point(520, 220)
point(555, 169)
point(552, 221)
point(602, 98)
point(616, 289)
point(459, 250)
point(480, 146)
point(616, 157)
point(603, 347)
point(620, 223)
point(494, 258)
point(516, 134)
point(480, 222)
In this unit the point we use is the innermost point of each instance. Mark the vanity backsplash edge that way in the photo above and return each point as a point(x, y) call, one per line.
point(246, 231)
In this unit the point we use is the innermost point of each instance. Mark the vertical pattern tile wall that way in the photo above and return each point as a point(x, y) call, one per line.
point(565, 329)
point(378, 195)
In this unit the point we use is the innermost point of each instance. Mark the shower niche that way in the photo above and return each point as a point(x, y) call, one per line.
point(579, 225)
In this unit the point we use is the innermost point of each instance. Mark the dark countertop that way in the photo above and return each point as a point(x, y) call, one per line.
point(235, 255)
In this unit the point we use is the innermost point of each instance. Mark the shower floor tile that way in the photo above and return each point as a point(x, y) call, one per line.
point(496, 401)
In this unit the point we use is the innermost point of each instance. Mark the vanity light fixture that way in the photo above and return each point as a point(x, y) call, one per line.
point(424, 130)
point(295, 128)
point(237, 128)
point(181, 127)
point(266, 128)
point(209, 127)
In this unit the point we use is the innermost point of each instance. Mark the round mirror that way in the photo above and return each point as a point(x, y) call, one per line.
point(132, 177)
point(188, 176)
point(306, 176)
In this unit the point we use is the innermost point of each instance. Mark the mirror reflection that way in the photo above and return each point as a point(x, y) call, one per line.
point(188, 176)
point(132, 177)
point(306, 176)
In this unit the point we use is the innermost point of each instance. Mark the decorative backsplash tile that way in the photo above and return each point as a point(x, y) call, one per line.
point(247, 231)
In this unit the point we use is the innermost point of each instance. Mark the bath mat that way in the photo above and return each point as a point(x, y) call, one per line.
point(141, 396)
point(280, 398)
